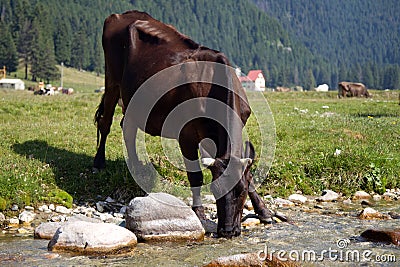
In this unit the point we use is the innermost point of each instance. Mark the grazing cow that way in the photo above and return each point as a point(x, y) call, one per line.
point(350, 89)
point(136, 47)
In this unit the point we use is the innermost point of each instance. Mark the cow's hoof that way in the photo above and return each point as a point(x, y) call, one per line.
point(265, 216)
point(200, 212)
point(281, 217)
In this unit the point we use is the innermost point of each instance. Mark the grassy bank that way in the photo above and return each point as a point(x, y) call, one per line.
point(48, 143)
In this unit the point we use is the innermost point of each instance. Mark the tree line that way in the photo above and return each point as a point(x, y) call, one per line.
point(37, 35)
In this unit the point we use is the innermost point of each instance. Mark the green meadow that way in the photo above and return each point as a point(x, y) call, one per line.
point(47, 144)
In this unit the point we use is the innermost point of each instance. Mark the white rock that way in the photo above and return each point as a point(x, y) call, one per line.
point(280, 202)
point(26, 216)
point(13, 221)
point(88, 238)
point(63, 210)
point(328, 195)
point(52, 207)
point(298, 198)
point(376, 197)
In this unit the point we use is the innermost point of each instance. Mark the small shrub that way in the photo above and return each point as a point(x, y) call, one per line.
point(3, 204)
point(374, 181)
point(60, 197)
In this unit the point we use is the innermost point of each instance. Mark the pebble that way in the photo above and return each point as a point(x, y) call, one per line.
point(63, 210)
point(297, 198)
point(361, 195)
point(280, 202)
point(328, 196)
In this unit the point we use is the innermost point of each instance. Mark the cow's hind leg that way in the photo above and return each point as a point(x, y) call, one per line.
point(103, 118)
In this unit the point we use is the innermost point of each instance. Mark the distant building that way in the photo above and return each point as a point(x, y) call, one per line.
point(16, 84)
point(254, 81)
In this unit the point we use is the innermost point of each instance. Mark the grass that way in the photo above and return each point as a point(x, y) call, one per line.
point(48, 143)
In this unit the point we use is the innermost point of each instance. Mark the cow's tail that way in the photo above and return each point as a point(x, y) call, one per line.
point(97, 116)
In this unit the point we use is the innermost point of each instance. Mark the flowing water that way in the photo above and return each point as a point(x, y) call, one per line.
point(329, 237)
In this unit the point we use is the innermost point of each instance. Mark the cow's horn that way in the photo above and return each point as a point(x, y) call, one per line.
point(207, 162)
point(246, 161)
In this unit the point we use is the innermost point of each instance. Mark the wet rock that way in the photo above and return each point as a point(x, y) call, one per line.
point(280, 202)
point(2, 218)
point(328, 196)
point(390, 236)
point(92, 238)
point(161, 216)
point(361, 195)
point(46, 230)
point(26, 217)
point(52, 207)
point(297, 198)
point(371, 214)
point(250, 259)
point(14, 207)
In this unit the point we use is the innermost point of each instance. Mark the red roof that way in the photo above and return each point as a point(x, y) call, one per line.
point(253, 74)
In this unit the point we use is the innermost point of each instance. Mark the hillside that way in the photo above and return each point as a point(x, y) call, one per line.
point(360, 37)
point(283, 38)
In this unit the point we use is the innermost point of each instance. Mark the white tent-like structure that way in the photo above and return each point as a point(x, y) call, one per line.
point(16, 84)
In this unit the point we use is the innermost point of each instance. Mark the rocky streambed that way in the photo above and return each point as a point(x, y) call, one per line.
point(323, 231)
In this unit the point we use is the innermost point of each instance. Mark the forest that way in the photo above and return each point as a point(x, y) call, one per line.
point(302, 43)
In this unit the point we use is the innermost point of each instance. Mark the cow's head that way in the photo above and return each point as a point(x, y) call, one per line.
point(230, 186)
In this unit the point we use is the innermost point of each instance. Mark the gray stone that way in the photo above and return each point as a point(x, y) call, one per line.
point(14, 207)
point(161, 216)
point(2, 217)
point(92, 238)
point(26, 216)
point(46, 230)
point(327, 196)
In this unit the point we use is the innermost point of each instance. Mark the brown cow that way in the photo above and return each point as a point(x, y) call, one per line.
point(350, 89)
point(136, 47)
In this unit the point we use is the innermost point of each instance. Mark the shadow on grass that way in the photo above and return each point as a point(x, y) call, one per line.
point(72, 172)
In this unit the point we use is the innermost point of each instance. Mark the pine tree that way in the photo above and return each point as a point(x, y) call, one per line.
point(8, 51)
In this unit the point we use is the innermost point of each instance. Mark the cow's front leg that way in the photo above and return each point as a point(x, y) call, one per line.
point(195, 176)
point(264, 214)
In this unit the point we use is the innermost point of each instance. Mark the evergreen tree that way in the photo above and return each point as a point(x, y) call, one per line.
point(8, 51)
point(310, 83)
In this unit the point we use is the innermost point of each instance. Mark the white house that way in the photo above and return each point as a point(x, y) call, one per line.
point(16, 84)
point(254, 81)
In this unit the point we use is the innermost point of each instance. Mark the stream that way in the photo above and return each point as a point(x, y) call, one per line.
point(315, 237)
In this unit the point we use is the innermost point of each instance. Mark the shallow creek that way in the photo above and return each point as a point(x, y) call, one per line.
point(320, 237)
